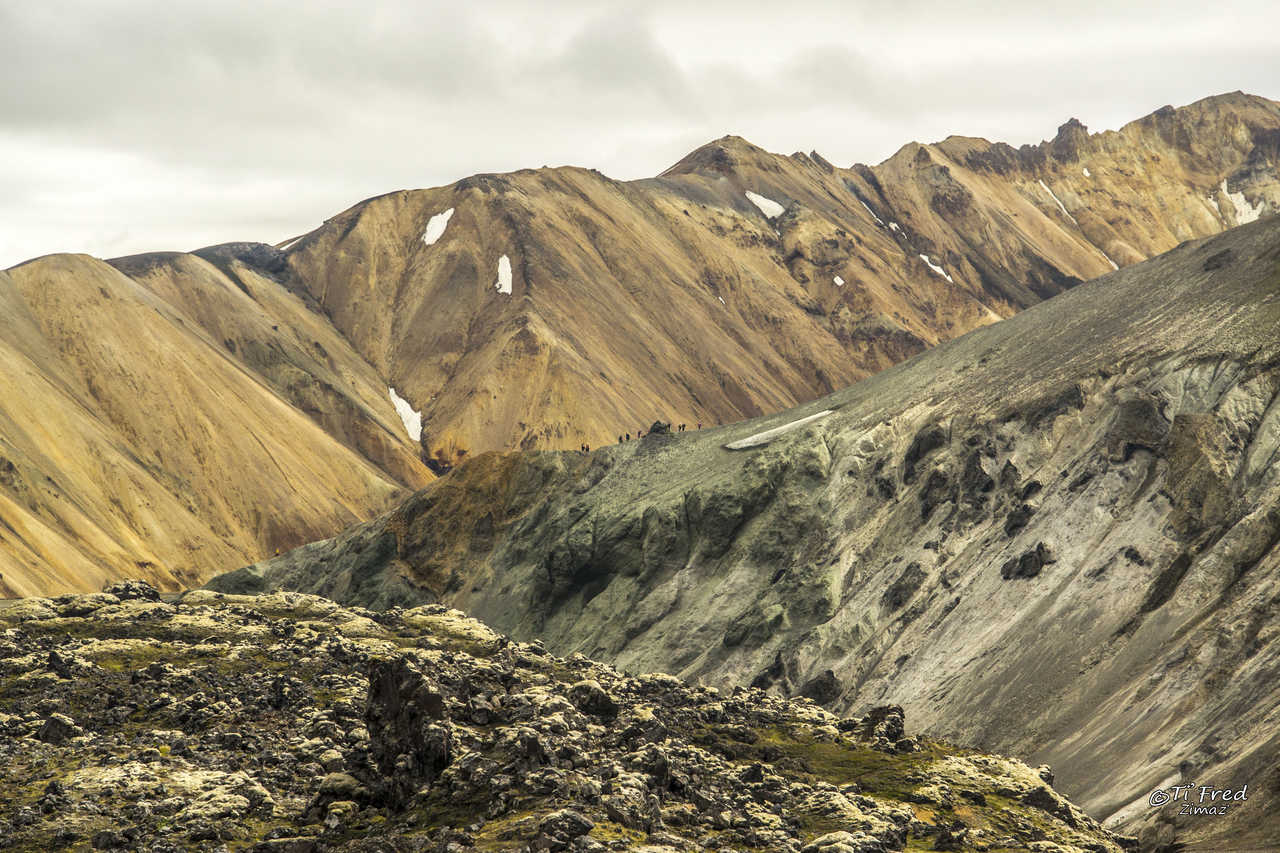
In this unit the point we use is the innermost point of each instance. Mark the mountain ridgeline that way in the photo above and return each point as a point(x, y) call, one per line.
point(173, 415)
point(740, 282)
point(1056, 537)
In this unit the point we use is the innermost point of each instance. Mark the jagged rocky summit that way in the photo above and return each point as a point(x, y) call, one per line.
point(285, 722)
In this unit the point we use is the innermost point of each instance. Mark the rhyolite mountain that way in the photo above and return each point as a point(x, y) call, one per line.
point(181, 417)
point(178, 414)
point(740, 282)
point(287, 724)
point(1056, 537)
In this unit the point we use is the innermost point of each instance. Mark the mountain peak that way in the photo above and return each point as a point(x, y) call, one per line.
point(1069, 141)
point(720, 156)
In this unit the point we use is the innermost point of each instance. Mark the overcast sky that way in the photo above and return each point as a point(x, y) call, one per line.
point(140, 125)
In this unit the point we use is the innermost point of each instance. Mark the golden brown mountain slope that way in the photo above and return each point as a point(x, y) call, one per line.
point(133, 443)
point(739, 281)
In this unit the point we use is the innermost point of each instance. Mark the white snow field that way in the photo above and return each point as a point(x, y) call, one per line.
point(503, 284)
point(436, 226)
point(768, 206)
point(770, 434)
point(412, 420)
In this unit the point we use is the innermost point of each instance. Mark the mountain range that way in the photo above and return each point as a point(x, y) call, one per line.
point(173, 415)
point(1056, 537)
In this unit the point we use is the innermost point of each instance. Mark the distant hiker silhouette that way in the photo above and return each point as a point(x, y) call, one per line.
point(628, 436)
point(619, 439)
point(699, 424)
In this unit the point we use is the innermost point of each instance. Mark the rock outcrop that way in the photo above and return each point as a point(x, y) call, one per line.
point(288, 723)
point(1054, 537)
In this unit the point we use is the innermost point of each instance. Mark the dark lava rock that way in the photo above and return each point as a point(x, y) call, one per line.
point(902, 589)
point(432, 733)
point(1018, 519)
point(1138, 425)
point(404, 748)
point(590, 698)
point(1029, 564)
point(565, 825)
point(58, 729)
point(133, 590)
point(925, 442)
point(823, 688)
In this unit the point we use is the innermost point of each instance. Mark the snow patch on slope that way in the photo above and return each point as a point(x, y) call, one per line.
point(937, 269)
point(872, 212)
point(436, 226)
point(1245, 212)
point(839, 281)
point(503, 284)
point(770, 434)
point(412, 420)
point(1086, 172)
point(1057, 201)
point(768, 206)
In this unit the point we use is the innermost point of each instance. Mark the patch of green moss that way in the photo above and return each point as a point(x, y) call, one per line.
point(1011, 817)
point(606, 831)
point(497, 835)
point(846, 762)
point(250, 831)
point(798, 754)
point(119, 629)
point(139, 657)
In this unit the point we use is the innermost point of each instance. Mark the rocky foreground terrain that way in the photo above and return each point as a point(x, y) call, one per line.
point(176, 414)
point(1056, 537)
point(287, 723)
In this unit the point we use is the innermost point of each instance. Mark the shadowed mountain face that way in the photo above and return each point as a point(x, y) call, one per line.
point(1056, 536)
point(175, 415)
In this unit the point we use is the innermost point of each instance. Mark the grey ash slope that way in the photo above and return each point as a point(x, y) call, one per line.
point(1055, 537)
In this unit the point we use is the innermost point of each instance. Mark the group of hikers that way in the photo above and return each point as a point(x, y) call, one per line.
point(626, 436)
point(658, 426)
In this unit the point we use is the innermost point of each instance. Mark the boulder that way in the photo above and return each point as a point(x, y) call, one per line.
point(58, 729)
point(590, 698)
point(132, 590)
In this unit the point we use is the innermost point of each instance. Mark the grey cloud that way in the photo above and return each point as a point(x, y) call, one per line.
point(617, 55)
point(134, 124)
